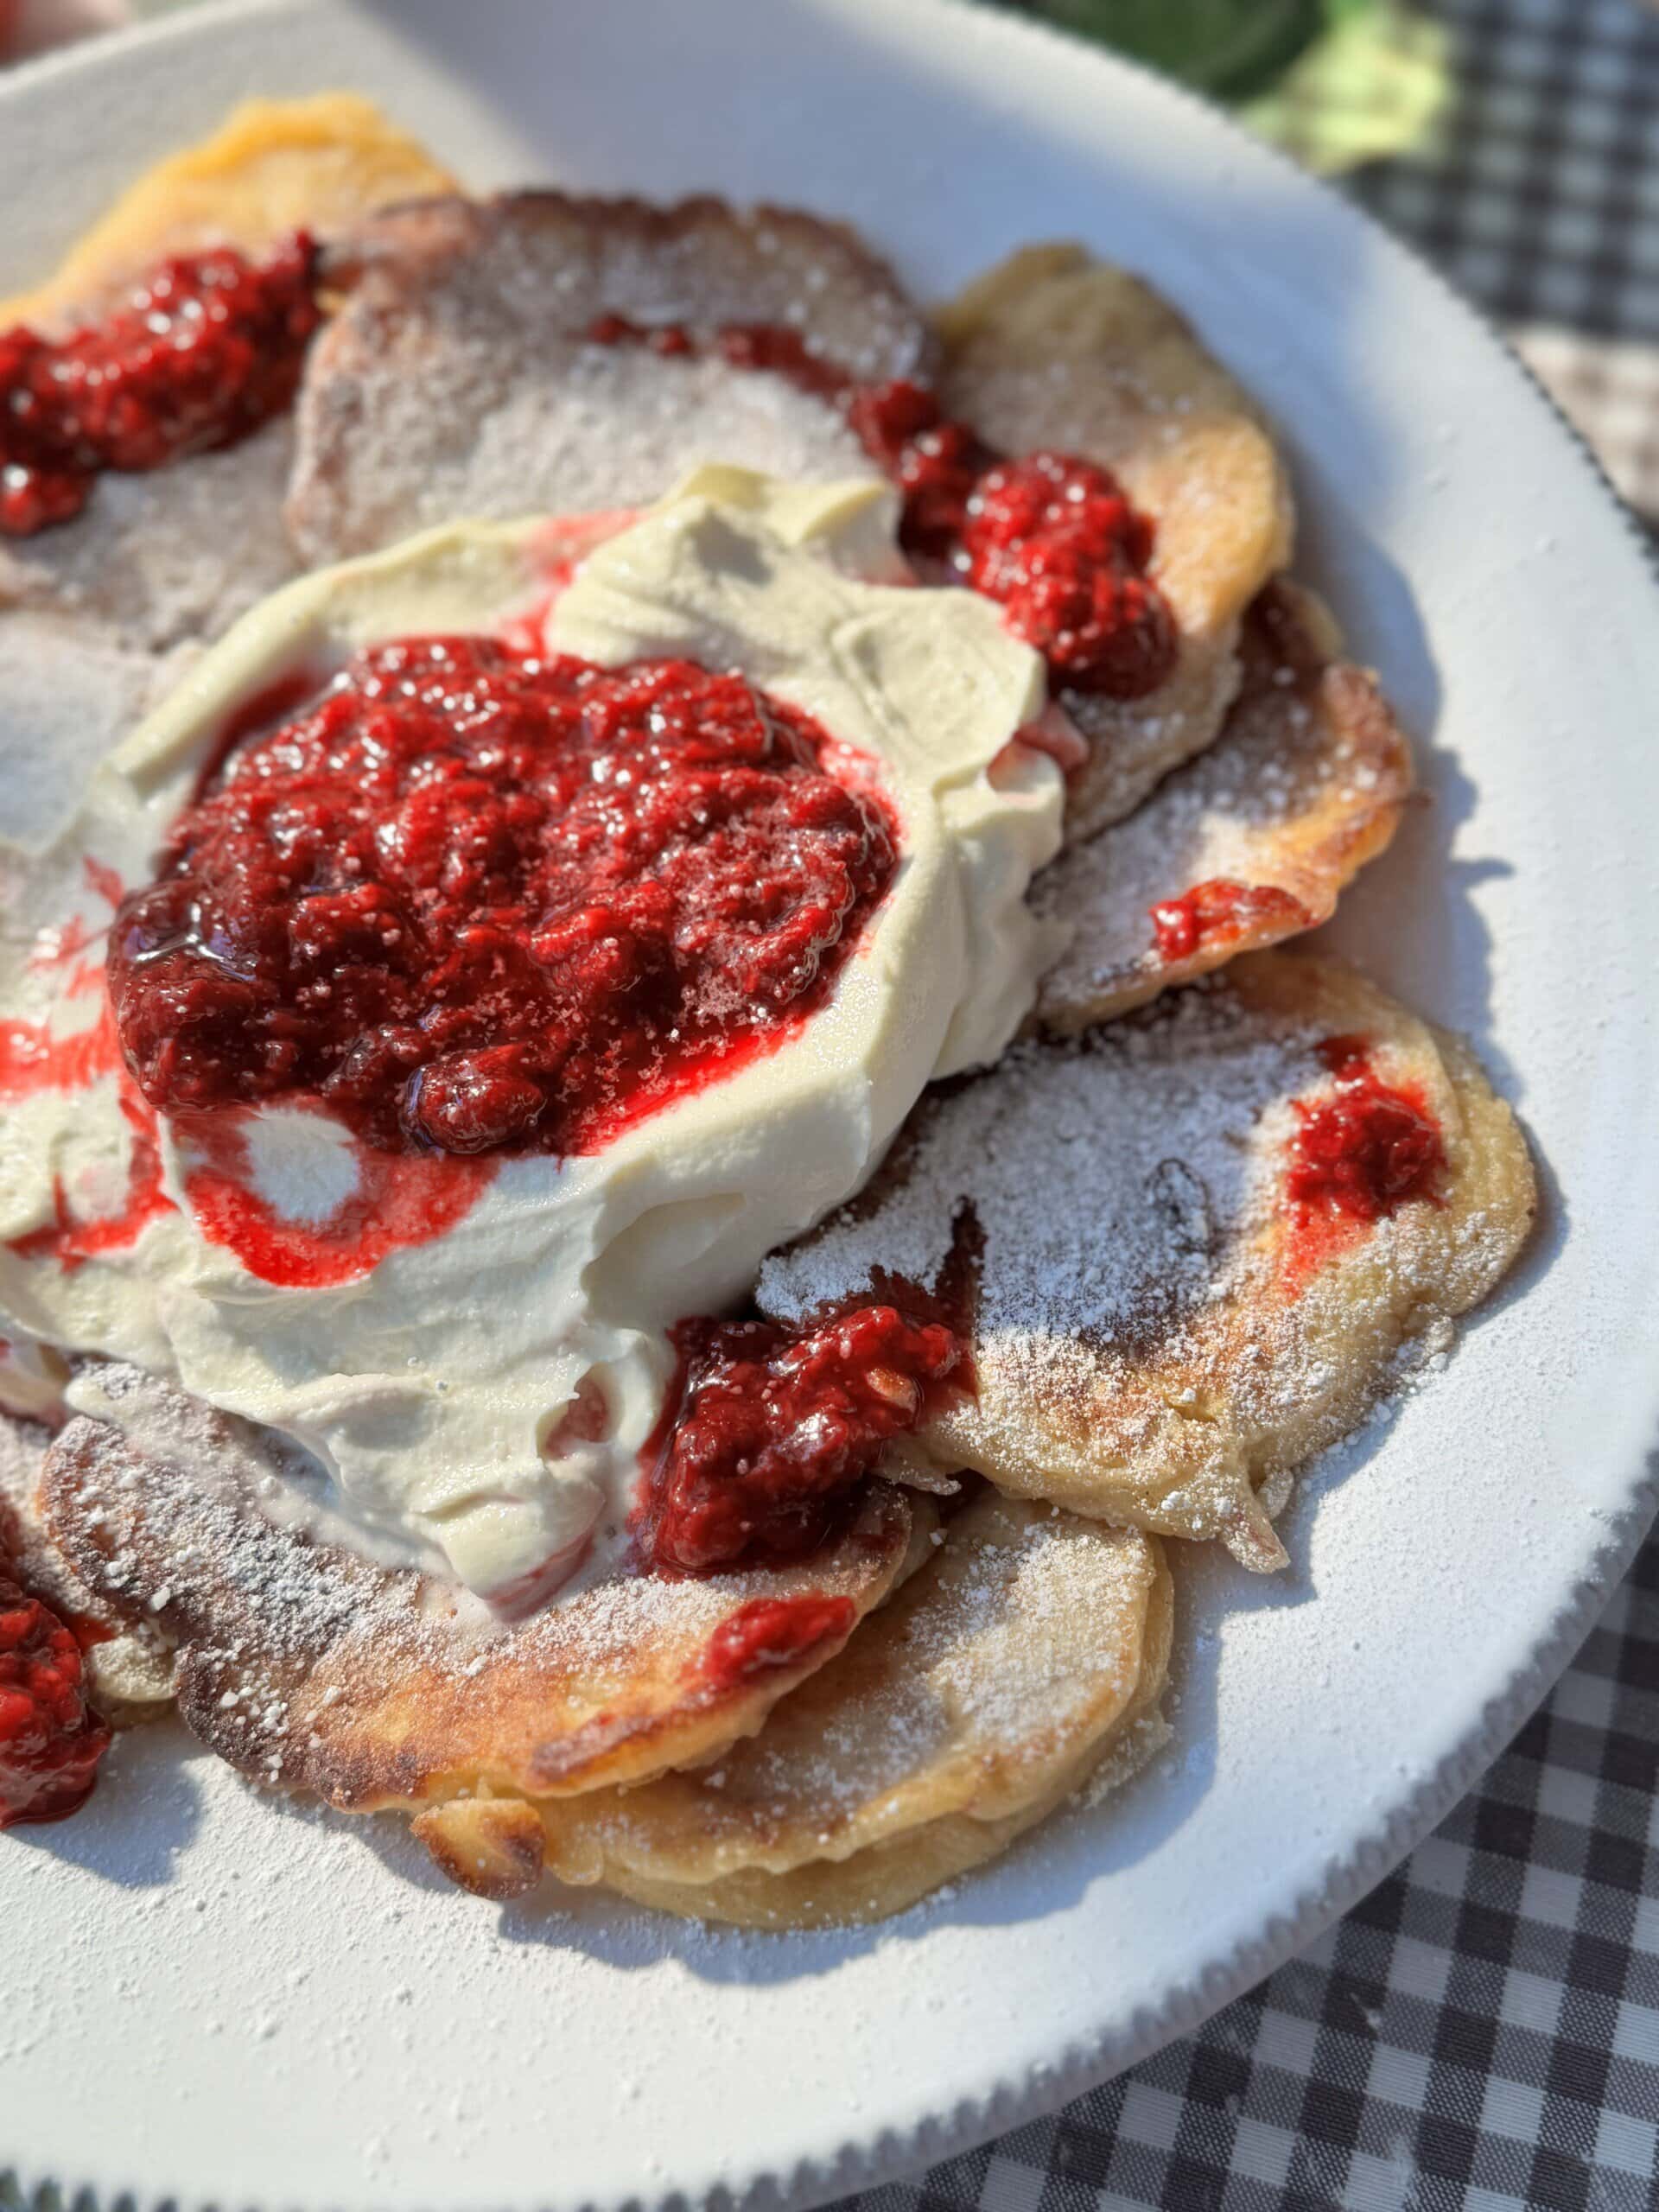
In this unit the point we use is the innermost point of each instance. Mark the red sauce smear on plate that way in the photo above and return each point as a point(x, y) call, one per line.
point(35, 1058)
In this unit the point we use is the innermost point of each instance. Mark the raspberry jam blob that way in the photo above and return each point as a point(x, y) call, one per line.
point(1369, 1149)
point(1219, 912)
point(935, 462)
point(768, 1434)
point(768, 1633)
point(473, 901)
point(1051, 538)
point(206, 349)
point(51, 1740)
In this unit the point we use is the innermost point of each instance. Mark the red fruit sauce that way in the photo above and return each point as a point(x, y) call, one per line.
point(768, 1433)
point(473, 901)
point(397, 1199)
point(768, 1633)
point(72, 1239)
point(51, 1740)
point(1369, 1149)
point(34, 1059)
point(1051, 538)
point(1219, 912)
point(206, 349)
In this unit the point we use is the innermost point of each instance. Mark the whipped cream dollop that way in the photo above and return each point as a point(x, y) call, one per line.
point(480, 1396)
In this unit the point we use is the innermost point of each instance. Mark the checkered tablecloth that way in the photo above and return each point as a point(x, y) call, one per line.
point(1483, 2032)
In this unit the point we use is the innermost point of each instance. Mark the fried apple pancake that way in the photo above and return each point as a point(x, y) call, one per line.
point(1250, 843)
point(1029, 1655)
point(1053, 348)
point(460, 379)
point(309, 1667)
point(129, 1667)
point(1164, 1333)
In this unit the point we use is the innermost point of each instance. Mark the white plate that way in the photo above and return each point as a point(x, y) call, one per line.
point(209, 1999)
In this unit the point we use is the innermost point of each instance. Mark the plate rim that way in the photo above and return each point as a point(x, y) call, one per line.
point(1086, 2062)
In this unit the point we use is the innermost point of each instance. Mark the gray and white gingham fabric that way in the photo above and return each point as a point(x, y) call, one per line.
point(1544, 207)
point(1481, 2034)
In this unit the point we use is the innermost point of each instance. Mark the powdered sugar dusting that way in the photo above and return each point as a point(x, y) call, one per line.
point(981, 1686)
point(1022, 1635)
point(129, 1669)
point(457, 380)
point(1155, 1146)
point(561, 427)
point(167, 555)
point(1136, 743)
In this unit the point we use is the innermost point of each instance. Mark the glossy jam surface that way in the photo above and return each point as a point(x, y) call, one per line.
point(768, 1433)
point(1219, 912)
point(471, 901)
point(770, 1633)
point(1050, 536)
point(51, 1740)
point(206, 349)
point(1055, 543)
point(1367, 1149)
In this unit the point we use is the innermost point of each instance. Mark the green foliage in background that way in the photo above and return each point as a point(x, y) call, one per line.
point(1337, 82)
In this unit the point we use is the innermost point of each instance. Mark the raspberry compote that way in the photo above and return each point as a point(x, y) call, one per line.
point(476, 902)
point(206, 348)
point(1053, 538)
point(1357, 1156)
point(51, 1740)
point(771, 1632)
point(769, 1434)
point(1219, 912)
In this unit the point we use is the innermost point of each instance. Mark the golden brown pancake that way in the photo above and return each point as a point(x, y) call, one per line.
point(1160, 1334)
point(1029, 1655)
point(1304, 786)
point(129, 1668)
point(309, 1667)
point(1053, 348)
point(459, 378)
